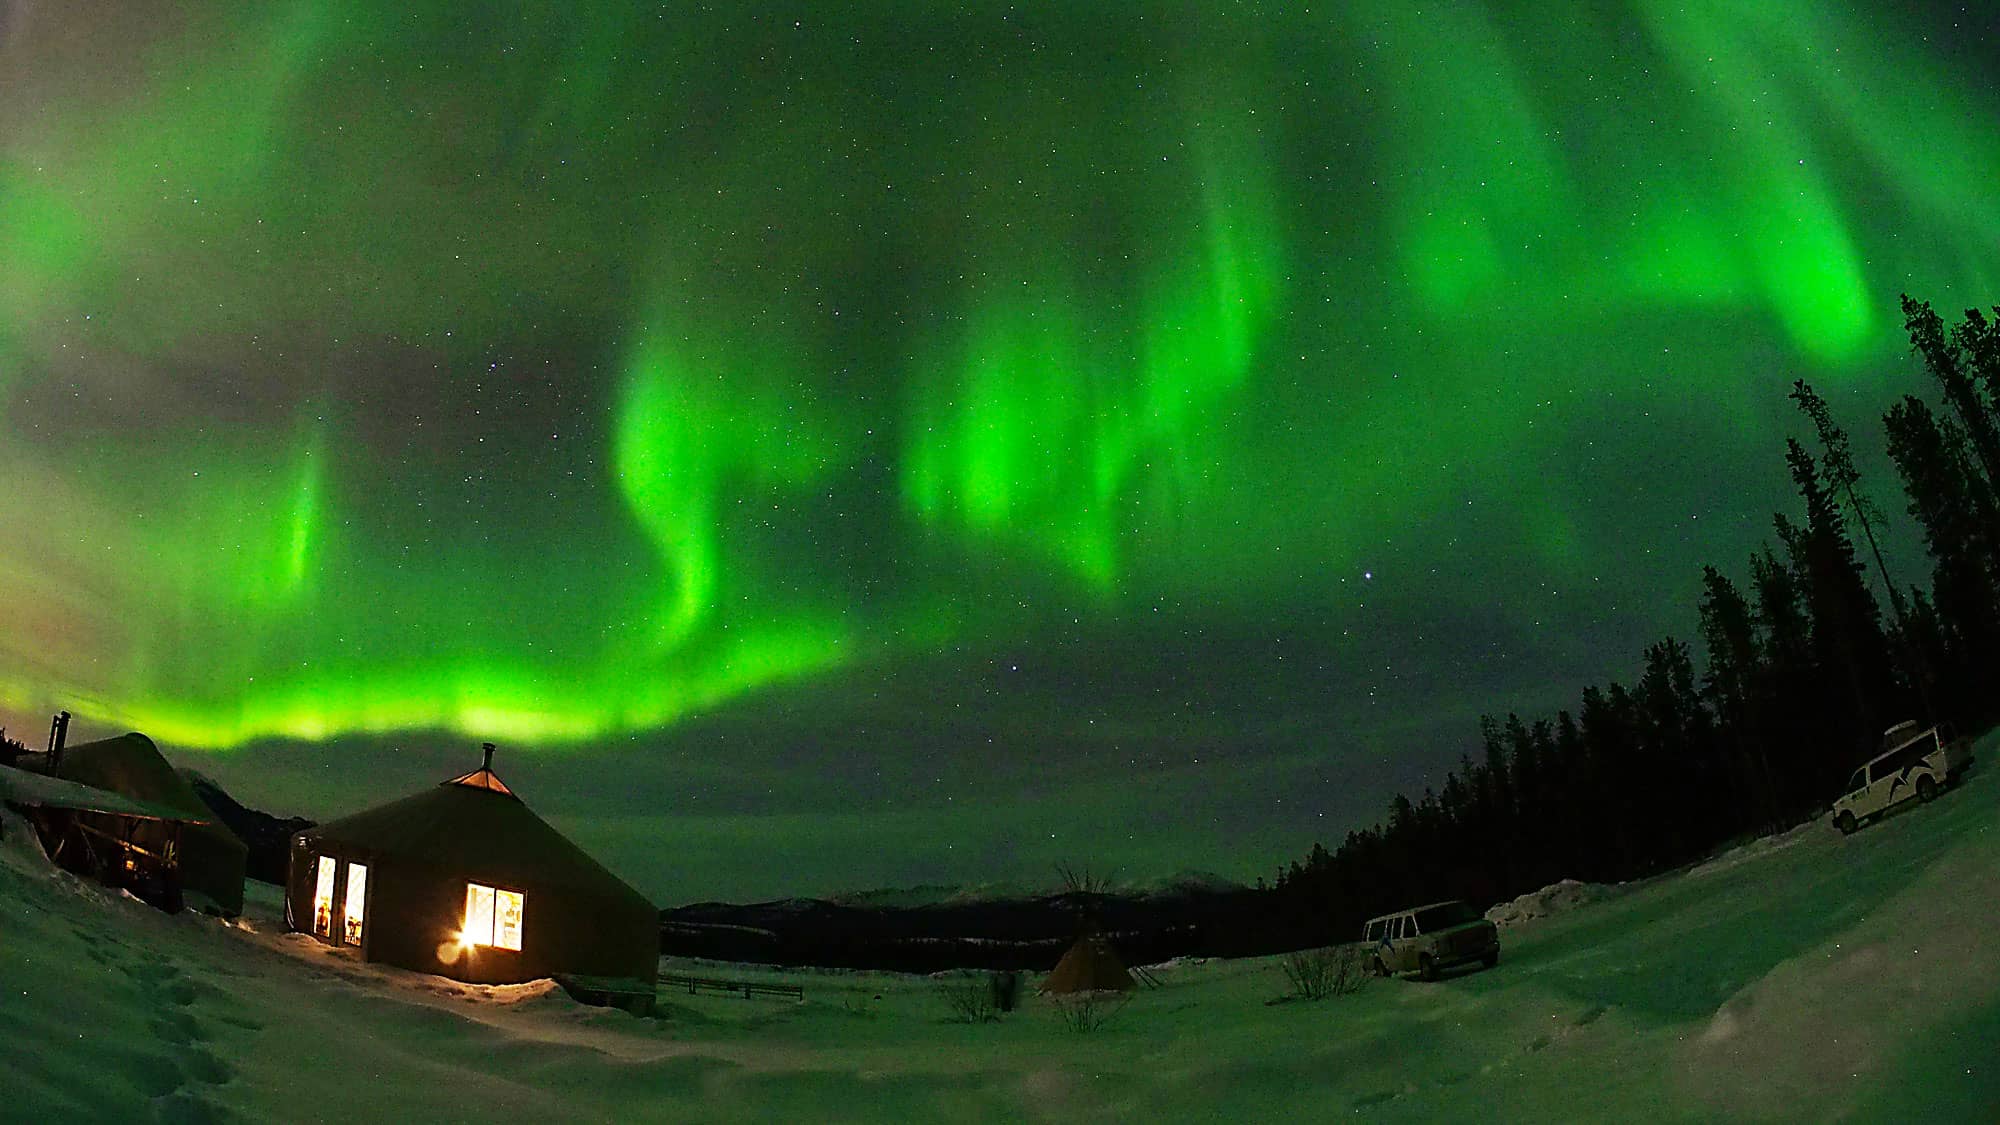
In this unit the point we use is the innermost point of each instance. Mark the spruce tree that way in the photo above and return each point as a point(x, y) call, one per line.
point(1946, 358)
point(1847, 635)
point(1842, 480)
point(1978, 339)
point(1733, 684)
point(1952, 506)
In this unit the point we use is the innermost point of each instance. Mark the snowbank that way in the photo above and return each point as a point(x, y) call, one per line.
point(1556, 898)
point(18, 848)
point(1813, 977)
point(1761, 846)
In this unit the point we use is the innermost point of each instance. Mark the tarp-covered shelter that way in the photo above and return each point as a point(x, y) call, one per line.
point(463, 880)
point(159, 831)
point(1091, 965)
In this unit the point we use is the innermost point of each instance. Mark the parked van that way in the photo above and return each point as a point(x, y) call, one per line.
point(1916, 763)
point(1429, 939)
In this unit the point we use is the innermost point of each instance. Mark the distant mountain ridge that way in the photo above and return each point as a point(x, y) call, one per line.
point(268, 837)
point(943, 894)
point(925, 928)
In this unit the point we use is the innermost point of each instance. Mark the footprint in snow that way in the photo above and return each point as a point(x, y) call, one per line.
point(206, 1067)
point(178, 991)
point(178, 1028)
point(185, 1107)
point(173, 1023)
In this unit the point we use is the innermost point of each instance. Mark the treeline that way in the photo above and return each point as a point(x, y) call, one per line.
point(1803, 669)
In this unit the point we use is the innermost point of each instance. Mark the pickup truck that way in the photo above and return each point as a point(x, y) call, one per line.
point(1914, 763)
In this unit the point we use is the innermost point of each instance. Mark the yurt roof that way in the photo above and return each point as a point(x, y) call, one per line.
point(476, 825)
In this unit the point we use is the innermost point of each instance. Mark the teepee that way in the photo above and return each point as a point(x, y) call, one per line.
point(1091, 965)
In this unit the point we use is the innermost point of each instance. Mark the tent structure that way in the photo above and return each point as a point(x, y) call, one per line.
point(162, 831)
point(1091, 965)
point(464, 881)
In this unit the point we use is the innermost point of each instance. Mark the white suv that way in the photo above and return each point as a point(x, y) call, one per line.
point(1917, 763)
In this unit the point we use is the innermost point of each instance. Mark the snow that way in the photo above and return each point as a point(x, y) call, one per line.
point(1810, 977)
point(1556, 898)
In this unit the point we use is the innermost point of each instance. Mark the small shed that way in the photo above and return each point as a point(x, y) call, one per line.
point(465, 881)
point(161, 840)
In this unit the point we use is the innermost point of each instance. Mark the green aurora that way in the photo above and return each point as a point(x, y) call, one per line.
point(371, 368)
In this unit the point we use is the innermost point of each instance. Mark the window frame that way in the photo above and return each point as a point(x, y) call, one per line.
point(494, 932)
point(326, 880)
point(353, 930)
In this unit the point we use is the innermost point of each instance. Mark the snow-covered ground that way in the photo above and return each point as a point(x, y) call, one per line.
point(1810, 978)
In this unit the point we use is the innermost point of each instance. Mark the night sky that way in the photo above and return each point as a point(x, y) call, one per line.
point(833, 450)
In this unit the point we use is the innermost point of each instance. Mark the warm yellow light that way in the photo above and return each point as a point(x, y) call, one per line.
point(493, 917)
point(323, 898)
point(355, 908)
point(507, 927)
point(479, 913)
point(453, 947)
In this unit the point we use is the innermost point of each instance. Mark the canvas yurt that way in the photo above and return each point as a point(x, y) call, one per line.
point(463, 880)
point(181, 836)
point(1091, 965)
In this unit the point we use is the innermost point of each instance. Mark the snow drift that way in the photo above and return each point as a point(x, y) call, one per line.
point(1817, 977)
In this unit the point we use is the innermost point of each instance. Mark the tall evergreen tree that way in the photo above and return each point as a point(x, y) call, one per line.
point(1734, 683)
point(1842, 480)
point(1945, 358)
point(1847, 632)
point(1615, 779)
point(1950, 504)
point(1979, 340)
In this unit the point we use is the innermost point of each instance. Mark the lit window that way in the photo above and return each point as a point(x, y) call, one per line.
point(357, 902)
point(478, 914)
point(507, 923)
point(493, 917)
point(323, 899)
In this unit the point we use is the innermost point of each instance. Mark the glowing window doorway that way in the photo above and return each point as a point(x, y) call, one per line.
point(323, 898)
point(493, 917)
point(355, 907)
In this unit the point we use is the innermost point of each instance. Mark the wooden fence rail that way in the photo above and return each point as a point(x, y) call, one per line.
point(743, 988)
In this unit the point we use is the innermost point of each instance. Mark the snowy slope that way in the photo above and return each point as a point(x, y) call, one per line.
point(1809, 978)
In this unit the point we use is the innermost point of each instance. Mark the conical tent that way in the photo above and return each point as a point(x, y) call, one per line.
point(1091, 965)
point(465, 881)
point(210, 857)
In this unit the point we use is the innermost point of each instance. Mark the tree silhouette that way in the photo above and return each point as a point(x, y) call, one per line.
point(1944, 356)
point(1955, 510)
point(1798, 682)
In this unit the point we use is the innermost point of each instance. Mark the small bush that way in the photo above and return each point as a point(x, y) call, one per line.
point(1334, 970)
point(972, 997)
point(1085, 1012)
